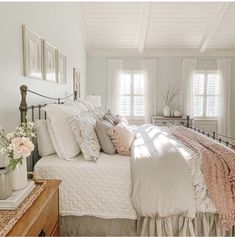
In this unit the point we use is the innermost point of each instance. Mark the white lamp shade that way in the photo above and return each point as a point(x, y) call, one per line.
point(95, 100)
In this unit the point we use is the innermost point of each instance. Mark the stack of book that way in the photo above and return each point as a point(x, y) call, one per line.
point(17, 197)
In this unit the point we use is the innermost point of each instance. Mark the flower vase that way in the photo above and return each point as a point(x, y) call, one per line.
point(19, 176)
point(167, 111)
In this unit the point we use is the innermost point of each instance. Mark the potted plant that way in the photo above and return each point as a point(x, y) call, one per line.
point(16, 147)
point(170, 94)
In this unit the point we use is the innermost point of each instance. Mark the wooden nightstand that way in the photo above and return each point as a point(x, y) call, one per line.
point(165, 121)
point(42, 218)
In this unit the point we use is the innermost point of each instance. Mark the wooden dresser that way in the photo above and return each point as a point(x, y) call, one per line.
point(165, 121)
point(42, 218)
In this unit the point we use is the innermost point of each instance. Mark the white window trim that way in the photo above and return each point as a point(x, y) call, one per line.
point(132, 72)
point(204, 117)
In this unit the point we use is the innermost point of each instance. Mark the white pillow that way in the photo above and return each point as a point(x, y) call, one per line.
point(53, 139)
point(45, 147)
point(60, 132)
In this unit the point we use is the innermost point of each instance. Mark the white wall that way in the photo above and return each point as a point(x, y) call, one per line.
point(58, 23)
point(168, 73)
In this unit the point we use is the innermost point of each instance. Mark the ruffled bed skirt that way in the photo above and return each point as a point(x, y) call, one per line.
point(205, 224)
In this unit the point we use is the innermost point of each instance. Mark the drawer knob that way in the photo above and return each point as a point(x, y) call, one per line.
point(42, 233)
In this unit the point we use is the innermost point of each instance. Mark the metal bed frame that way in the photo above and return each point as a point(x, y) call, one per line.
point(24, 108)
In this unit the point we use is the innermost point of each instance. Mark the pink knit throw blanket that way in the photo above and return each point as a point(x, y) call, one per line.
point(218, 166)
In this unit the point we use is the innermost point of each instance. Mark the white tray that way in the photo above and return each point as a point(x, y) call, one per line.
point(17, 197)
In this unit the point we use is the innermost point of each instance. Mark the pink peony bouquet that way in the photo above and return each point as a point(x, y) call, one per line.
point(17, 145)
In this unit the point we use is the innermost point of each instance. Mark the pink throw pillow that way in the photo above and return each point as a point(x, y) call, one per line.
point(122, 138)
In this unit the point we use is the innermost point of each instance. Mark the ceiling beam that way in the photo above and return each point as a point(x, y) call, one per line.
point(144, 26)
point(213, 27)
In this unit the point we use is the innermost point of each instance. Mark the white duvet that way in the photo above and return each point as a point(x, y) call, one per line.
point(103, 188)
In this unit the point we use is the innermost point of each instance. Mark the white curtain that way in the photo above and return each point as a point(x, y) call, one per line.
point(115, 67)
point(224, 69)
point(186, 93)
point(150, 76)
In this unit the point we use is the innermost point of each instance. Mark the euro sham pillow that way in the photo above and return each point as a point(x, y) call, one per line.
point(122, 138)
point(101, 128)
point(84, 131)
point(60, 132)
point(45, 146)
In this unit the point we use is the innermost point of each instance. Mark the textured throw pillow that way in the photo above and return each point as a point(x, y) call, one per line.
point(45, 147)
point(122, 138)
point(110, 117)
point(99, 112)
point(83, 129)
point(101, 128)
point(60, 131)
point(120, 119)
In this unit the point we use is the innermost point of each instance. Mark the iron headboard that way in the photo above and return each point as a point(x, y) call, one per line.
point(24, 106)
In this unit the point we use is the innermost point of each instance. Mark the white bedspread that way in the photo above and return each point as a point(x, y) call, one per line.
point(103, 188)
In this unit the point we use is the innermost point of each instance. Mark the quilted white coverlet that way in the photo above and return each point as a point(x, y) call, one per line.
point(101, 188)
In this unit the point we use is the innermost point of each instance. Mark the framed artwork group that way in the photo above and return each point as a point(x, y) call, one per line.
point(41, 59)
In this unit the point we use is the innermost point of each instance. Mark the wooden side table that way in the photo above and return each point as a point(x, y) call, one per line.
point(42, 218)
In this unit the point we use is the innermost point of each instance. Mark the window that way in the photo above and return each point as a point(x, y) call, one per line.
point(205, 94)
point(132, 94)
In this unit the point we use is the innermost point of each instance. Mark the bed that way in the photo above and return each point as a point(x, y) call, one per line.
point(96, 198)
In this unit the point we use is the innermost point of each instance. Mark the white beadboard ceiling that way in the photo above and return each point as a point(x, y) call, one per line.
point(143, 26)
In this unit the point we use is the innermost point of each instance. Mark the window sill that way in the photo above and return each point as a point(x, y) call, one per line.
point(205, 119)
point(134, 118)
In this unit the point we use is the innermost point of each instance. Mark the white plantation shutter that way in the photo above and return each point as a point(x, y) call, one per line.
point(198, 92)
point(132, 94)
point(205, 94)
point(125, 103)
point(212, 95)
point(138, 93)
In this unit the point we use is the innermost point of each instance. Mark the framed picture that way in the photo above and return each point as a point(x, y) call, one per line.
point(32, 53)
point(49, 62)
point(61, 67)
point(76, 81)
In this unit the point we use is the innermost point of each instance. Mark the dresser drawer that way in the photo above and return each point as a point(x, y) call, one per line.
point(47, 220)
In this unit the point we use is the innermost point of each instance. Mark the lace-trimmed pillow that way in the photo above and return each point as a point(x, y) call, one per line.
point(83, 129)
point(122, 138)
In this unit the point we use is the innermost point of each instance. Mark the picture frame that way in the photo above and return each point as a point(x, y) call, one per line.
point(61, 67)
point(32, 53)
point(50, 61)
point(76, 82)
